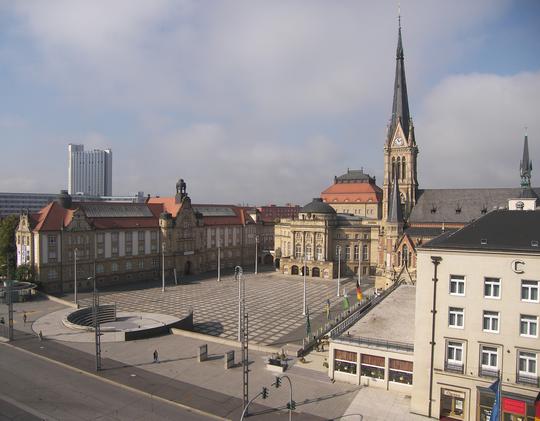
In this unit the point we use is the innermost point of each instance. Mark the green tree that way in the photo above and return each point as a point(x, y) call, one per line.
point(8, 249)
point(25, 273)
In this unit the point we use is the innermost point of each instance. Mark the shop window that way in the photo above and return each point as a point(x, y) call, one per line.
point(372, 366)
point(400, 371)
point(452, 404)
point(345, 361)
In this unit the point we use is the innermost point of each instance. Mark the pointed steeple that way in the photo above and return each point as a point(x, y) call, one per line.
point(395, 213)
point(525, 166)
point(400, 105)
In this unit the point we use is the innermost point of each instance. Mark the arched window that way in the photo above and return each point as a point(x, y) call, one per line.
point(393, 167)
point(318, 252)
point(405, 255)
point(308, 251)
point(398, 168)
point(298, 251)
point(403, 166)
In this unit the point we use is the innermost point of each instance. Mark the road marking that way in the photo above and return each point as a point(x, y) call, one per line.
point(123, 386)
point(26, 408)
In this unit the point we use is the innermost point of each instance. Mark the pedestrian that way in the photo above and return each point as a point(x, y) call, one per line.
point(40, 334)
point(24, 317)
point(156, 356)
point(2, 321)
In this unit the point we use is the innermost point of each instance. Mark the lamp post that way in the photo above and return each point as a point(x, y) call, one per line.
point(219, 260)
point(256, 250)
point(339, 269)
point(238, 271)
point(163, 267)
point(305, 298)
point(75, 277)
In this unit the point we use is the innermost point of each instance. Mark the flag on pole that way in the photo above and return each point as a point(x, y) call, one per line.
point(359, 295)
point(537, 408)
point(308, 323)
point(345, 302)
point(496, 410)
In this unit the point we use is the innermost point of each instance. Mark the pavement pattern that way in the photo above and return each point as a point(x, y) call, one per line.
point(274, 303)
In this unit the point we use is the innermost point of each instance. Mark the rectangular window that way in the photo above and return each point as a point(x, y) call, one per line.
point(345, 361)
point(141, 264)
point(141, 235)
point(400, 371)
point(153, 235)
point(155, 262)
point(114, 267)
point(356, 252)
point(372, 366)
point(527, 363)
point(456, 317)
point(528, 326)
point(529, 291)
point(454, 353)
point(491, 321)
point(457, 285)
point(365, 254)
point(52, 274)
point(489, 361)
point(114, 237)
point(51, 239)
point(492, 288)
point(129, 265)
point(99, 268)
point(100, 237)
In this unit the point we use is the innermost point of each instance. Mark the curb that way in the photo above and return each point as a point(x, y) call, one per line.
point(121, 385)
point(58, 300)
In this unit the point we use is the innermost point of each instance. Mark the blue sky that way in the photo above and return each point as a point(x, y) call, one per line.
point(264, 101)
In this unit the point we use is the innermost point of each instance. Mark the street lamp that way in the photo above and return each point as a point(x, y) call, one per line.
point(339, 268)
point(304, 307)
point(219, 259)
point(256, 249)
point(163, 267)
point(75, 277)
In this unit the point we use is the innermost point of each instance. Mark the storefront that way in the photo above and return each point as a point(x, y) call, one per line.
point(452, 405)
point(514, 407)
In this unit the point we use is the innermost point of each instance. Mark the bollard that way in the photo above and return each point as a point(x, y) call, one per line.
point(203, 353)
point(229, 360)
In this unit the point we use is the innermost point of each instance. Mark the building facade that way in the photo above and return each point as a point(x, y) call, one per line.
point(89, 172)
point(126, 242)
point(477, 314)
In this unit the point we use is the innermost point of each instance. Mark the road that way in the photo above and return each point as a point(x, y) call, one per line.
point(35, 389)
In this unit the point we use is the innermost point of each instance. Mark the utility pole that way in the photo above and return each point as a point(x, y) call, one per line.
point(9, 291)
point(243, 335)
point(339, 270)
point(305, 297)
point(256, 252)
point(75, 277)
point(163, 267)
point(219, 260)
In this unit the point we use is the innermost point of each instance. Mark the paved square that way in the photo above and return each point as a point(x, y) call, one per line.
point(273, 302)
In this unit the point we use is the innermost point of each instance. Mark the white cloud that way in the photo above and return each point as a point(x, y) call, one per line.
point(470, 130)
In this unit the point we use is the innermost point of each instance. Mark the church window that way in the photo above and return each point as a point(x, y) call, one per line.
point(398, 168)
point(403, 168)
point(405, 256)
point(399, 258)
point(393, 167)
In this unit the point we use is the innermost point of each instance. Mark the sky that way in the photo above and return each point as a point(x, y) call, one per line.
point(264, 101)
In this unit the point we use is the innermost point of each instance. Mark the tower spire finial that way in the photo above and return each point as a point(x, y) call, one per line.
point(399, 14)
point(525, 166)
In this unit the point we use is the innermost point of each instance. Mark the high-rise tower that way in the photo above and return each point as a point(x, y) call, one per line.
point(89, 172)
point(400, 150)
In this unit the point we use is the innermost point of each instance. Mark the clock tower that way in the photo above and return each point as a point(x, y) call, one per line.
point(400, 150)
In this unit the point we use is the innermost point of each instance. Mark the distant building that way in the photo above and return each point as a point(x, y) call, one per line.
point(355, 193)
point(89, 172)
point(270, 213)
point(17, 203)
point(482, 309)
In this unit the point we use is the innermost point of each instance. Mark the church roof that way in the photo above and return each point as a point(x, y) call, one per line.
point(460, 205)
point(352, 193)
point(395, 213)
point(400, 103)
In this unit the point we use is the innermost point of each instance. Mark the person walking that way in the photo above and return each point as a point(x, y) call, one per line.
point(40, 334)
point(156, 356)
point(24, 317)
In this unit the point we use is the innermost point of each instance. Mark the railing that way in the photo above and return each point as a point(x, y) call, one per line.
point(453, 367)
point(379, 343)
point(488, 372)
point(528, 379)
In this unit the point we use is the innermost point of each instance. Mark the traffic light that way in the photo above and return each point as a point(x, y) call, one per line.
point(278, 381)
point(264, 392)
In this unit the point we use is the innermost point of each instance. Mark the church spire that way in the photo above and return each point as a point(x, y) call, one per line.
point(525, 166)
point(400, 105)
point(395, 213)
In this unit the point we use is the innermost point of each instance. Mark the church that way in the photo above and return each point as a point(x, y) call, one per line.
point(388, 223)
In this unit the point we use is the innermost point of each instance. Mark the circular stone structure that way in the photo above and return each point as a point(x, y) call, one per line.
point(76, 325)
point(20, 291)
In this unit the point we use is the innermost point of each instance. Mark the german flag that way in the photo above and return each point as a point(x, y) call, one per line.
point(359, 295)
point(537, 408)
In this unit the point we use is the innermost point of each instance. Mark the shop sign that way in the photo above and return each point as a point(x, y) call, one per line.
point(453, 394)
point(514, 406)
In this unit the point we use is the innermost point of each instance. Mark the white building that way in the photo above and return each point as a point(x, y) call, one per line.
point(89, 172)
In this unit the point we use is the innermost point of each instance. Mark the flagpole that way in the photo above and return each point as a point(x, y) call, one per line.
point(304, 308)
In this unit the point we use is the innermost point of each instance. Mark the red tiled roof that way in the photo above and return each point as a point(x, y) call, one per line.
point(168, 204)
point(352, 193)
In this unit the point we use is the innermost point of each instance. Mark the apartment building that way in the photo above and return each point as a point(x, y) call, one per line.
point(477, 315)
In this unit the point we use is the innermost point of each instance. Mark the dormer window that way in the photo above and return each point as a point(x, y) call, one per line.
point(534, 243)
point(433, 209)
point(484, 210)
point(458, 210)
point(483, 241)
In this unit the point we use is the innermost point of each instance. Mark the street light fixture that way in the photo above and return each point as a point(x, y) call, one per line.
point(163, 267)
point(256, 250)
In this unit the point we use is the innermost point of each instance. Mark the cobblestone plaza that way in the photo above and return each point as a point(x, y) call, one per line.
point(273, 302)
